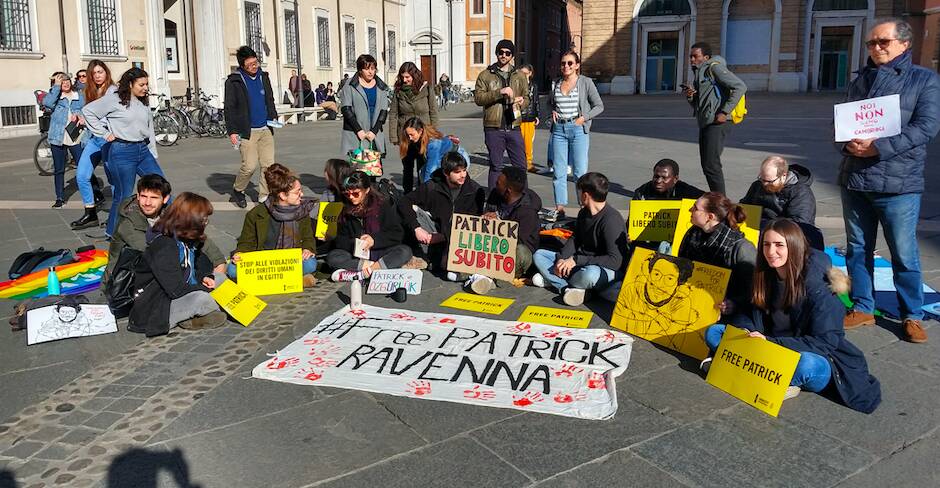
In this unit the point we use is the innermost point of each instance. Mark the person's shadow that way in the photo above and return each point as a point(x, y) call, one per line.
point(7, 480)
point(138, 468)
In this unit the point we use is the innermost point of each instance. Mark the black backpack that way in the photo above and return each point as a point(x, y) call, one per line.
point(32, 261)
point(392, 192)
point(120, 288)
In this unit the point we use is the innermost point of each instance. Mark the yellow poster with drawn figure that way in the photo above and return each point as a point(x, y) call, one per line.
point(670, 301)
point(328, 219)
point(653, 220)
point(753, 370)
point(241, 305)
point(271, 272)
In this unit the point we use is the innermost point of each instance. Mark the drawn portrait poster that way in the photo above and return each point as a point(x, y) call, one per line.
point(670, 301)
point(64, 321)
point(457, 358)
point(484, 246)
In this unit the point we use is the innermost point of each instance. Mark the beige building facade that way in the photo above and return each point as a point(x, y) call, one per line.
point(188, 45)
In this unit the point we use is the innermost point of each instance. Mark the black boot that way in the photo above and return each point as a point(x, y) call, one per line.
point(96, 188)
point(89, 219)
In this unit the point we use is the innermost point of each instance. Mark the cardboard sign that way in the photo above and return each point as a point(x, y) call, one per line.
point(242, 306)
point(271, 272)
point(653, 220)
point(385, 281)
point(461, 359)
point(327, 220)
point(484, 246)
point(753, 370)
point(670, 301)
point(750, 227)
point(51, 324)
point(563, 317)
point(868, 119)
point(477, 303)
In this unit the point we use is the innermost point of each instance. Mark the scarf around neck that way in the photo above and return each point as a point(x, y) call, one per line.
point(286, 220)
point(713, 248)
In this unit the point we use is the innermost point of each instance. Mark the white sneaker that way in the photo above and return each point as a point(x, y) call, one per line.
point(538, 280)
point(573, 297)
point(481, 285)
point(451, 276)
point(345, 275)
point(792, 392)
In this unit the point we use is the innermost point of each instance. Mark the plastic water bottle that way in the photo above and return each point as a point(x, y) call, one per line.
point(355, 295)
point(52, 282)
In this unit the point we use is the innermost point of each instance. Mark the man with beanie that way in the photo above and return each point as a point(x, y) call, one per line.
point(502, 92)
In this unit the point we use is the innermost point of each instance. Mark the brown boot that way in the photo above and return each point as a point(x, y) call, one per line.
point(914, 332)
point(855, 319)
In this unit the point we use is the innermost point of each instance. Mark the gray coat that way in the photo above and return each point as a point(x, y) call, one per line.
point(589, 100)
point(716, 90)
point(355, 109)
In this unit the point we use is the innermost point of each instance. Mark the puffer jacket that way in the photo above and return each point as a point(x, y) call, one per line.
point(404, 106)
point(794, 201)
point(899, 165)
point(716, 90)
point(496, 114)
point(816, 326)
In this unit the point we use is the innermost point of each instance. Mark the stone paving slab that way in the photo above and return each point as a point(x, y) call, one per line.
point(621, 468)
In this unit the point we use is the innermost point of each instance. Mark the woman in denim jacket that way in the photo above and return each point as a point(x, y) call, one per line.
point(66, 105)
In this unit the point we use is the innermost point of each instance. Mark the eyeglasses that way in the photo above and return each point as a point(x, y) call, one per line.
point(882, 43)
point(767, 182)
point(504, 52)
point(657, 277)
point(83, 76)
point(353, 193)
point(568, 63)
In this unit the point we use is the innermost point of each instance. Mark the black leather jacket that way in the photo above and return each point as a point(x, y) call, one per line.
point(531, 112)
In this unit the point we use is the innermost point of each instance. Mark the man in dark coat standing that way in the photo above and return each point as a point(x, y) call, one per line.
point(783, 190)
point(882, 179)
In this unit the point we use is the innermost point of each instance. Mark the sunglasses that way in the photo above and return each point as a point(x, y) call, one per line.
point(568, 63)
point(353, 193)
point(882, 43)
point(504, 52)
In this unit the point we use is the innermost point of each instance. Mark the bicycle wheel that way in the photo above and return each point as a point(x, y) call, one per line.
point(42, 156)
point(166, 129)
point(199, 121)
point(180, 117)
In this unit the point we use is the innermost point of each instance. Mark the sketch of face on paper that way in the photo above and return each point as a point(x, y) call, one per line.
point(67, 320)
point(659, 301)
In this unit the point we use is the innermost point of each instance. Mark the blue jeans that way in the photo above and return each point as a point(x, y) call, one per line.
point(309, 266)
point(813, 371)
point(569, 146)
point(59, 154)
point(95, 151)
point(898, 215)
point(584, 277)
point(126, 160)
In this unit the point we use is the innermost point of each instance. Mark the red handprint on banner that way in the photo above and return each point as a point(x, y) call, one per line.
point(277, 363)
point(596, 381)
point(529, 398)
point(309, 374)
point(553, 334)
point(317, 341)
point(402, 316)
point(322, 362)
point(568, 370)
point(610, 337)
point(326, 351)
point(476, 393)
point(419, 387)
point(520, 328)
point(448, 320)
point(566, 398)
point(359, 314)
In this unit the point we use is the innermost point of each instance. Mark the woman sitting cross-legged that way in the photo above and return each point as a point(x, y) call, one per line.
point(174, 277)
point(795, 305)
point(281, 222)
point(369, 217)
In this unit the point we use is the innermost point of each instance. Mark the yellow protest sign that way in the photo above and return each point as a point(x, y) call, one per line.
point(271, 272)
point(237, 303)
point(753, 370)
point(683, 223)
point(328, 219)
point(670, 301)
point(653, 220)
point(750, 227)
point(477, 303)
point(575, 319)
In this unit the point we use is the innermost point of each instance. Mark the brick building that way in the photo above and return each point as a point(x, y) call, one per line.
point(641, 46)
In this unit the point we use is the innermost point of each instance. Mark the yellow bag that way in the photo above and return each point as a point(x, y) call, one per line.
point(740, 110)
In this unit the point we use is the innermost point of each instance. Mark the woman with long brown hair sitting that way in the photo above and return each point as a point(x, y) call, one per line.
point(174, 276)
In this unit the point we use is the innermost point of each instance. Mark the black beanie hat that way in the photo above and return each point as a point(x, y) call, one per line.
point(506, 44)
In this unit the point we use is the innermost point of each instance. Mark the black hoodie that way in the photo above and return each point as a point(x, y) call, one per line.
point(435, 198)
point(525, 211)
point(794, 201)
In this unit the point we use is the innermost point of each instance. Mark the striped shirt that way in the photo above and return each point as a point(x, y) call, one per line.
point(567, 106)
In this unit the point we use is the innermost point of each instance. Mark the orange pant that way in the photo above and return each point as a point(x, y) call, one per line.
point(528, 137)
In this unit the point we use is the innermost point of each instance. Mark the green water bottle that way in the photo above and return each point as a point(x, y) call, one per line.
point(53, 285)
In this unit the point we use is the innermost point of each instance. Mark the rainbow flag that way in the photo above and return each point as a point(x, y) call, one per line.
point(81, 276)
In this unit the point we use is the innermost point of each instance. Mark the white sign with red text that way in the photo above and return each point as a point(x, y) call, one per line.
point(456, 358)
point(872, 118)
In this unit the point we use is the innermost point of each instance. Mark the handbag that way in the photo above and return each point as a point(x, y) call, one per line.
point(366, 159)
point(120, 289)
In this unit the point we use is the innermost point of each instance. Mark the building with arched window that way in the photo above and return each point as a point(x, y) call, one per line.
point(642, 46)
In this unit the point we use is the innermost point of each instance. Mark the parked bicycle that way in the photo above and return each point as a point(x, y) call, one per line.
point(42, 153)
point(207, 117)
point(165, 127)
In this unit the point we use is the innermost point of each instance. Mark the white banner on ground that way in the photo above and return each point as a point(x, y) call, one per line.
point(456, 358)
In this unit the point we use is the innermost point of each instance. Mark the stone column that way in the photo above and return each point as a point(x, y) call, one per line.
point(156, 52)
point(210, 47)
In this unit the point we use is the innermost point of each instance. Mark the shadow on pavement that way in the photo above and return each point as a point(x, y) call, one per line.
point(139, 467)
point(7, 480)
